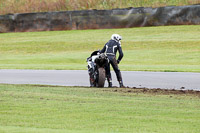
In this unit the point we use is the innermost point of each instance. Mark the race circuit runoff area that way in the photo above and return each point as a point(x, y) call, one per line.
point(162, 80)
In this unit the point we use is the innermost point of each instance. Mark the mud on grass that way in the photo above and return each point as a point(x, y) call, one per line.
point(156, 91)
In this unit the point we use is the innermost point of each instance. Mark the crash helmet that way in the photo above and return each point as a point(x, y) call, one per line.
point(116, 37)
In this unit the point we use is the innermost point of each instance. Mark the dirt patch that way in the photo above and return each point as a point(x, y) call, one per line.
point(156, 91)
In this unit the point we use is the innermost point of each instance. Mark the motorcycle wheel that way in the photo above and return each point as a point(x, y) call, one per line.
point(101, 77)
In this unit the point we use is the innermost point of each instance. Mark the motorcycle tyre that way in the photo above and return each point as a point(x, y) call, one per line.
point(101, 77)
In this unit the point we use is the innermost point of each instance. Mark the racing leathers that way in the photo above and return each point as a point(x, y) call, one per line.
point(110, 49)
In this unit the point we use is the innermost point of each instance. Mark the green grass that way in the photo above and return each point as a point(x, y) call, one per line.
point(166, 48)
point(29, 108)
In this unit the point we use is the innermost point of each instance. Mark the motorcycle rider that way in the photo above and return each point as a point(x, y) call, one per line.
point(110, 49)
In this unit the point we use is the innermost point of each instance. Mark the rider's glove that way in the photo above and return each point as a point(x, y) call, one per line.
point(98, 53)
point(118, 61)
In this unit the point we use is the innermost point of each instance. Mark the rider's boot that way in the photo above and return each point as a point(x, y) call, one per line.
point(109, 82)
point(121, 85)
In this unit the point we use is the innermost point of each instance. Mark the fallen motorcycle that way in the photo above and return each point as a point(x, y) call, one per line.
point(96, 69)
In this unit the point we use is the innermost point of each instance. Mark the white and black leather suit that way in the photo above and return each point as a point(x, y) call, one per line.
point(110, 49)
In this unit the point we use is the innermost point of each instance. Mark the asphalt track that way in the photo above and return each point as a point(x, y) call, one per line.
point(162, 80)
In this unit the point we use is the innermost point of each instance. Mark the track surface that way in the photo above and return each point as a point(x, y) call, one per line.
point(163, 80)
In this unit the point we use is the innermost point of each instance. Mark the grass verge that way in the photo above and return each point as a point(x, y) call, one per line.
point(24, 6)
point(166, 48)
point(34, 108)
